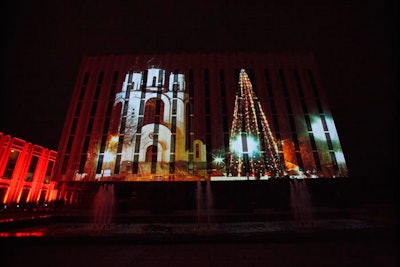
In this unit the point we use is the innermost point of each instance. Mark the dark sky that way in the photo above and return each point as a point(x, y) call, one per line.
point(355, 44)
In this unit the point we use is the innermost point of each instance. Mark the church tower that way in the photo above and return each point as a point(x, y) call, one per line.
point(151, 132)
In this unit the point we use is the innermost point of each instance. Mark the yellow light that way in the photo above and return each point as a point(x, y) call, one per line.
point(114, 139)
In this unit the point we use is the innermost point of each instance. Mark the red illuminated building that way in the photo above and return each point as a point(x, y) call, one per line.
point(25, 172)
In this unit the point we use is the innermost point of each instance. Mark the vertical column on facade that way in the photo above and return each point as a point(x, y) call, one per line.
point(36, 171)
point(121, 138)
point(275, 121)
point(85, 164)
point(69, 159)
point(289, 109)
point(236, 86)
point(322, 117)
point(175, 88)
point(225, 125)
point(136, 152)
point(16, 185)
point(156, 130)
point(305, 112)
point(190, 126)
point(208, 120)
point(110, 102)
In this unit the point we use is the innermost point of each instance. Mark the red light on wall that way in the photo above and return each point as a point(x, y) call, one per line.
point(6, 195)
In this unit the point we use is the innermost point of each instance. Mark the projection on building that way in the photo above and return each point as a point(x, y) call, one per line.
point(253, 150)
point(184, 116)
point(151, 137)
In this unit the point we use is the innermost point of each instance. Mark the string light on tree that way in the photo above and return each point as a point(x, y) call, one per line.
point(253, 151)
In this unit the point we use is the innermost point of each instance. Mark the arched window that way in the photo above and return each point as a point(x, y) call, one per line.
point(154, 111)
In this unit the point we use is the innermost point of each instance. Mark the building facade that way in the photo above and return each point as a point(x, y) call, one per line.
point(169, 116)
point(26, 171)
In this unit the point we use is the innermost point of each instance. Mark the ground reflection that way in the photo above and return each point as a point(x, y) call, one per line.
point(22, 234)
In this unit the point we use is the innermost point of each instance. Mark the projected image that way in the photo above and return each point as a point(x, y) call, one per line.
point(151, 138)
point(252, 147)
point(169, 127)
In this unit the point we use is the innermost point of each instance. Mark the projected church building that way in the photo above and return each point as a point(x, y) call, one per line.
point(192, 116)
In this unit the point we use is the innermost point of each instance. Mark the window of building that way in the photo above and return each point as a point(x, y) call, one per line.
point(93, 111)
point(317, 161)
point(173, 140)
point(31, 169)
point(319, 106)
point(296, 142)
point(103, 143)
point(49, 171)
point(73, 127)
point(292, 123)
point(304, 106)
point(86, 78)
point(272, 105)
point(298, 83)
point(90, 126)
point(329, 141)
point(99, 164)
point(323, 120)
point(12, 161)
point(283, 83)
point(288, 106)
point(275, 122)
point(299, 160)
point(312, 140)
point(86, 144)
point(97, 92)
point(115, 77)
point(82, 164)
point(313, 84)
point(100, 79)
point(308, 123)
point(268, 81)
point(117, 164)
point(64, 164)
point(69, 145)
point(334, 161)
point(78, 108)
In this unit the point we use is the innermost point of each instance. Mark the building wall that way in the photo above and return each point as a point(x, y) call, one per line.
point(26, 172)
point(288, 87)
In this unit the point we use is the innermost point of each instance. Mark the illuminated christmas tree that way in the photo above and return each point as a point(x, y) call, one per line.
point(253, 151)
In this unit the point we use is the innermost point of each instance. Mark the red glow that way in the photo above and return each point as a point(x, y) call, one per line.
point(22, 234)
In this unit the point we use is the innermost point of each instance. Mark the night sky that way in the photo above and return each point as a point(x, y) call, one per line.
point(354, 42)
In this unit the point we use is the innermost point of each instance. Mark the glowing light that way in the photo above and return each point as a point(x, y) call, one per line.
point(340, 157)
point(6, 195)
point(218, 160)
point(252, 145)
point(108, 156)
point(114, 139)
